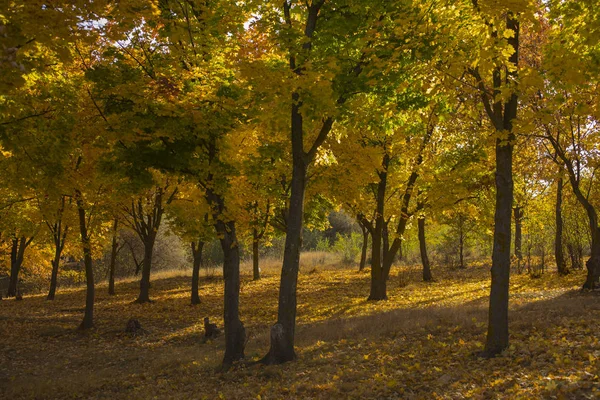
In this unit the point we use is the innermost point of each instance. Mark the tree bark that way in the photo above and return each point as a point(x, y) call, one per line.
point(561, 265)
point(502, 116)
point(113, 258)
point(197, 256)
point(255, 266)
point(365, 247)
point(461, 241)
point(427, 277)
point(235, 333)
point(378, 277)
point(88, 317)
point(17, 253)
point(144, 296)
point(518, 215)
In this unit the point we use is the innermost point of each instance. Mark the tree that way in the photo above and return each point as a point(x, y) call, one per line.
point(501, 103)
point(144, 216)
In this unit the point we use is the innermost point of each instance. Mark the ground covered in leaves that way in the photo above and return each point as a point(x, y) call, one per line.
point(420, 344)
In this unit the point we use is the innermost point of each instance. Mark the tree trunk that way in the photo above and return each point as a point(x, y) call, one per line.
point(593, 263)
point(427, 277)
point(88, 317)
point(144, 296)
point(378, 276)
point(14, 268)
point(113, 258)
point(365, 248)
point(502, 116)
point(54, 276)
point(282, 343)
point(17, 254)
point(561, 265)
point(518, 214)
point(461, 242)
point(197, 256)
point(235, 333)
point(255, 266)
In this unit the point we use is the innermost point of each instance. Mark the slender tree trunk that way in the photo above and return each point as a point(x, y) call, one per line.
point(365, 248)
point(144, 296)
point(461, 242)
point(518, 214)
point(386, 248)
point(255, 266)
point(88, 317)
point(197, 256)
point(54, 276)
point(113, 258)
point(427, 277)
point(561, 266)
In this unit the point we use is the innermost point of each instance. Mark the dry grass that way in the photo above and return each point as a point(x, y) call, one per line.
point(419, 344)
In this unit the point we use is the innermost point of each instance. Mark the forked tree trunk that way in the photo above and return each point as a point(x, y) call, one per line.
point(88, 317)
point(561, 265)
point(378, 276)
point(113, 258)
point(255, 266)
point(427, 277)
point(17, 254)
point(197, 257)
point(518, 215)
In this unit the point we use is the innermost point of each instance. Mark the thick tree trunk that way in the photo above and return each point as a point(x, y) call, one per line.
point(497, 337)
point(144, 296)
point(502, 116)
point(197, 257)
point(518, 215)
point(282, 333)
point(365, 248)
point(427, 277)
point(235, 333)
point(255, 266)
point(113, 258)
point(88, 317)
point(561, 265)
point(593, 263)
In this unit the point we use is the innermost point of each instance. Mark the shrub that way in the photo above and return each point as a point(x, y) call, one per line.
point(348, 246)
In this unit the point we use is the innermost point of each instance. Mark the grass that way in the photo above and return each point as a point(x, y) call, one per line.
point(419, 344)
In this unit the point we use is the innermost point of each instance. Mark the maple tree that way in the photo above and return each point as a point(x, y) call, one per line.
point(434, 126)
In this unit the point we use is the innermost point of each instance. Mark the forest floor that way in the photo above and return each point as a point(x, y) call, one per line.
point(420, 344)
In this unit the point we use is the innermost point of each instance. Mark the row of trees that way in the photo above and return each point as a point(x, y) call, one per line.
point(243, 118)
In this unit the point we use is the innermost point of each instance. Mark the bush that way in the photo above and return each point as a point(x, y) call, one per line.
point(348, 246)
point(323, 244)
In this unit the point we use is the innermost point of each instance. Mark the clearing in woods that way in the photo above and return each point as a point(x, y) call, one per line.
point(418, 344)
